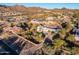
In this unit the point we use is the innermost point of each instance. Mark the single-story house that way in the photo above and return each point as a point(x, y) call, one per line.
point(46, 29)
point(77, 35)
point(16, 29)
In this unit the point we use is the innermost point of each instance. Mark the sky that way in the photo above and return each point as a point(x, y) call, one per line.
point(47, 5)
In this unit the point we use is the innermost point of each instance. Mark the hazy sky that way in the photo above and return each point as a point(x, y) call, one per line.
point(47, 5)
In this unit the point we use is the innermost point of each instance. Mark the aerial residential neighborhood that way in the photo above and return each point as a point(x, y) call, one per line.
point(38, 31)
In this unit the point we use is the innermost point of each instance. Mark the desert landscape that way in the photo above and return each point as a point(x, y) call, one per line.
point(38, 31)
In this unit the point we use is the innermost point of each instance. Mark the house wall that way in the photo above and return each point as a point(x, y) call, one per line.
point(45, 29)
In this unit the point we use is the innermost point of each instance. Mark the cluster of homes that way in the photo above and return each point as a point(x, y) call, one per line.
point(7, 23)
point(17, 19)
point(10, 13)
point(50, 23)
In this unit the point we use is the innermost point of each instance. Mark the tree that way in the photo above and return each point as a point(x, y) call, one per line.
point(48, 49)
point(71, 38)
point(38, 37)
point(1, 29)
point(58, 43)
point(75, 51)
point(23, 25)
point(12, 24)
point(62, 33)
point(64, 25)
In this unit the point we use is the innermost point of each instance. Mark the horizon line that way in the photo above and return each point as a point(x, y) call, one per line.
point(46, 5)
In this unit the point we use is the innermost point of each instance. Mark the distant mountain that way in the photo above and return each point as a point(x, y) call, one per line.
point(31, 10)
point(3, 6)
point(20, 8)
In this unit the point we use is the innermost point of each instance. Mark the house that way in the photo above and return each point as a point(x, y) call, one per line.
point(11, 19)
point(4, 24)
point(46, 29)
point(77, 34)
point(67, 19)
point(50, 18)
point(36, 21)
point(45, 22)
point(24, 19)
point(0, 13)
point(16, 29)
point(10, 13)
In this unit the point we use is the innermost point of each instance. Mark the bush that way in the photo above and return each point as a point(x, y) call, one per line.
point(1, 29)
point(58, 43)
point(71, 38)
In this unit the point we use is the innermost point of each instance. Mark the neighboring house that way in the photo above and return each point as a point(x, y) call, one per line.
point(10, 13)
point(77, 34)
point(24, 19)
point(44, 22)
point(46, 29)
point(0, 13)
point(11, 19)
point(16, 29)
point(36, 21)
point(4, 24)
point(50, 18)
point(67, 19)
